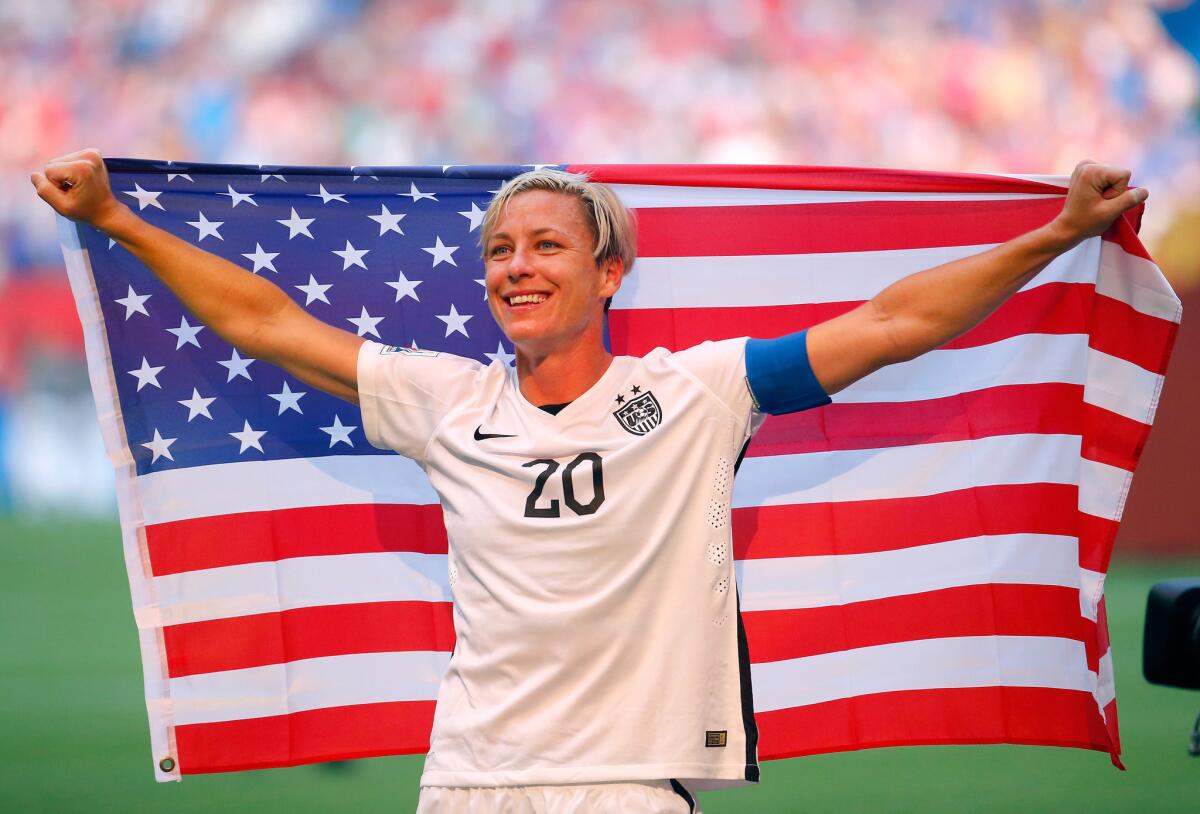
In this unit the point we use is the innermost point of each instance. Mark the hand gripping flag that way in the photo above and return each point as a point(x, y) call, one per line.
point(921, 561)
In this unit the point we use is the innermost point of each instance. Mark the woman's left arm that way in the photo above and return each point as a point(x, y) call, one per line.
point(926, 310)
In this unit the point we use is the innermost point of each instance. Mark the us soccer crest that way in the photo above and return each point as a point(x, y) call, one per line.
point(641, 414)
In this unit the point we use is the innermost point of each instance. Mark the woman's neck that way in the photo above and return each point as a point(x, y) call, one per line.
point(561, 376)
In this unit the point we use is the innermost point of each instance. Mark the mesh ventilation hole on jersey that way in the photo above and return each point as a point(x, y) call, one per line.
point(722, 586)
point(718, 552)
point(718, 513)
point(453, 575)
point(724, 476)
point(721, 621)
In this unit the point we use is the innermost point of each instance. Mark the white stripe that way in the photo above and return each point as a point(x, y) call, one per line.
point(1121, 386)
point(1102, 489)
point(1106, 682)
point(1091, 591)
point(1137, 282)
point(923, 469)
point(811, 582)
point(783, 279)
point(332, 681)
point(249, 486)
point(301, 582)
point(813, 477)
point(1022, 359)
point(965, 661)
point(651, 196)
point(112, 429)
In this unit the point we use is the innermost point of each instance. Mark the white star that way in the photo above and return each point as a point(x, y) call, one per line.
point(351, 256)
point(147, 374)
point(474, 215)
point(236, 366)
point(417, 194)
point(249, 437)
point(265, 176)
point(198, 405)
point(288, 399)
point(356, 176)
point(448, 166)
point(441, 252)
point(111, 243)
point(160, 447)
point(483, 283)
point(261, 259)
point(326, 197)
point(501, 355)
point(540, 166)
point(134, 303)
point(315, 291)
point(455, 322)
point(207, 227)
point(388, 221)
point(238, 197)
point(405, 288)
point(366, 323)
point(339, 432)
point(144, 197)
point(185, 334)
point(297, 225)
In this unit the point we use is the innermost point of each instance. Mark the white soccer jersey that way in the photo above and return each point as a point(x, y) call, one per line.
point(590, 562)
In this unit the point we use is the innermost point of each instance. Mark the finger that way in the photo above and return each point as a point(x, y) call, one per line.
point(67, 174)
point(1113, 182)
point(90, 154)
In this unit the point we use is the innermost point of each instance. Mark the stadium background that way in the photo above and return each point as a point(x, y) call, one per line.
point(1028, 86)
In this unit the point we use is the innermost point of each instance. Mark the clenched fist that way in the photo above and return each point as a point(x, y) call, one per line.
point(1097, 196)
point(76, 185)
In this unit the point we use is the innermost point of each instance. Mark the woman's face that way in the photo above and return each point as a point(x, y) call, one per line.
point(544, 287)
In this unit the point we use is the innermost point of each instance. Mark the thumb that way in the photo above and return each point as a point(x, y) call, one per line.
point(1133, 197)
point(48, 191)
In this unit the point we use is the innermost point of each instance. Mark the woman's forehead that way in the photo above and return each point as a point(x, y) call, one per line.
point(540, 209)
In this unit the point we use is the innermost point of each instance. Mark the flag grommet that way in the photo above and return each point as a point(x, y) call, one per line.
point(167, 764)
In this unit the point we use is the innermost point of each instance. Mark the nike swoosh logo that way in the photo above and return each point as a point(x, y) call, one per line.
point(483, 436)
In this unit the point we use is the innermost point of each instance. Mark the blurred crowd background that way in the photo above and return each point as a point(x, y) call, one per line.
point(1012, 86)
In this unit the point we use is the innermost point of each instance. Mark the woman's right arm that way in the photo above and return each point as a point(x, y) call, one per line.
point(245, 310)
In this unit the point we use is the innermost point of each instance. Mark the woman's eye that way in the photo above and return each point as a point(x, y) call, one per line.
point(548, 244)
point(497, 250)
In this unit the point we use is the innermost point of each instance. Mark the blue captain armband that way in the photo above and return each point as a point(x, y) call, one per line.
point(780, 377)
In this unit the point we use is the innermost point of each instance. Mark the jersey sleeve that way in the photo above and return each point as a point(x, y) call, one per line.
point(404, 394)
point(721, 367)
point(780, 376)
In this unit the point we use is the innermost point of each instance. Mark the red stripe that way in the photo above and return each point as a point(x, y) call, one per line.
point(1054, 308)
point(843, 179)
point(972, 610)
point(304, 633)
point(861, 226)
point(334, 733)
point(1033, 715)
point(1111, 438)
point(1096, 536)
point(1029, 408)
point(862, 527)
point(237, 539)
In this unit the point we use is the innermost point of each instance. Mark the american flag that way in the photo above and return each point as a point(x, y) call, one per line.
point(921, 561)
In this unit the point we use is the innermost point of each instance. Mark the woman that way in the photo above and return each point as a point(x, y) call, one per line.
point(600, 663)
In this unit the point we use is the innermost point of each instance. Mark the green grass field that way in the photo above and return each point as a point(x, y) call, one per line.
point(75, 733)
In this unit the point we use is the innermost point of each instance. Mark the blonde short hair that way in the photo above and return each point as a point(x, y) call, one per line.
point(612, 224)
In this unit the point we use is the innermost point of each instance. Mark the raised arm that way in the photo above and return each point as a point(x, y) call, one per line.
point(926, 310)
point(245, 310)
